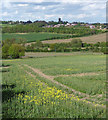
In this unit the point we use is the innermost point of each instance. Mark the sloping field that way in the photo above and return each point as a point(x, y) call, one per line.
point(55, 87)
point(89, 39)
point(33, 37)
point(53, 37)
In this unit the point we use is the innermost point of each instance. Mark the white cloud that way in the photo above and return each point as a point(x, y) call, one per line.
point(39, 7)
point(62, 1)
point(22, 5)
point(16, 12)
point(4, 14)
point(62, 16)
point(53, 16)
point(94, 6)
point(81, 9)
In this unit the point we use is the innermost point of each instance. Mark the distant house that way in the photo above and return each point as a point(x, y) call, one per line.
point(92, 26)
point(68, 24)
point(100, 27)
point(58, 25)
point(87, 25)
point(73, 24)
point(11, 22)
point(48, 26)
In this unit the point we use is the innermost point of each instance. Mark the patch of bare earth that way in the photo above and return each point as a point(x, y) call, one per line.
point(51, 54)
point(5, 67)
point(89, 39)
point(21, 33)
point(80, 74)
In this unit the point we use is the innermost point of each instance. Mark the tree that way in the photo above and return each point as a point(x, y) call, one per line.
point(76, 43)
point(5, 51)
point(16, 51)
point(22, 41)
point(39, 44)
point(9, 41)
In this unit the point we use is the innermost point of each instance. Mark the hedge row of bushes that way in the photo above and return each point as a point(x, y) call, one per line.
point(11, 49)
point(74, 45)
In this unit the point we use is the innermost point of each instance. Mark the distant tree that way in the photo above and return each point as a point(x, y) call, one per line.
point(22, 41)
point(5, 51)
point(28, 22)
point(16, 51)
point(53, 47)
point(104, 50)
point(76, 43)
point(9, 41)
point(38, 44)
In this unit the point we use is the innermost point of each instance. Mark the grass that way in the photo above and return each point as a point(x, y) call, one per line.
point(75, 63)
point(50, 54)
point(25, 96)
point(6, 25)
point(96, 83)
point(33, 37)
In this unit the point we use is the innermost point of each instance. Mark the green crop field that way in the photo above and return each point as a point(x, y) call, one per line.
point(6, 25)
point(71, 86)
point(33, 37)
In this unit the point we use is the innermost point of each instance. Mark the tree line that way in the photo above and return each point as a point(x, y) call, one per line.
point(74, 45)
point(75, 31)
point(13, 49)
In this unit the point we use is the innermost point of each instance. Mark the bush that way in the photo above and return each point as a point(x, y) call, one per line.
point(16, 51)
point(5, 51)
point(104, 50)
point(76, 43)
point(9, 41)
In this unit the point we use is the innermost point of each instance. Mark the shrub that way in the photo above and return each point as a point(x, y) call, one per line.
point(76, 43)
point(38, 44)
point(104, 50)
point(16, 51)
point(9, 41)
point(5, 51)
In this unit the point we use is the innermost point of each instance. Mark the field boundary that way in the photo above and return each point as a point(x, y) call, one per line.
point(32, 75)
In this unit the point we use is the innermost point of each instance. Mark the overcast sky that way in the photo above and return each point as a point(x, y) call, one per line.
point(68, 10)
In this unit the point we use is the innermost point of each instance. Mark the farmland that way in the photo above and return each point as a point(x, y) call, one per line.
point(6, 25)
point(32, 37)
point(55, 86)
point(53, 37)
point(89, 39)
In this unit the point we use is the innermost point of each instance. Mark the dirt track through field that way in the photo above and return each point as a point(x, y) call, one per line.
point(31, 75)
point(51, 78)
point(80, 74)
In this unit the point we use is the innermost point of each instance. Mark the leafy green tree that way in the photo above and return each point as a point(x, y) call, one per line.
point(76, 43)
point(53, 47)
point(16, 51)
point(22, 41)
point(5, 51)
point(9, 41)
point(38, 44)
